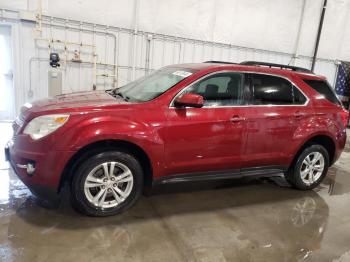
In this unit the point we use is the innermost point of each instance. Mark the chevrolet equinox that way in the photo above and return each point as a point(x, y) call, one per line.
point(186, 122)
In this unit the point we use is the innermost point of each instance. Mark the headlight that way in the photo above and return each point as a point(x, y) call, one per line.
point(43, 125)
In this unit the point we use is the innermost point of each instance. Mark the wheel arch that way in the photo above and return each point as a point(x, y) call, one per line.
point(102, 146)
point(321, 139)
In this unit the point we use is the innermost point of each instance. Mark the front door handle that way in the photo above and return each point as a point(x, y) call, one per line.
point(236, 119)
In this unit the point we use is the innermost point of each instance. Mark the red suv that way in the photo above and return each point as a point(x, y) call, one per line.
point(185, 122)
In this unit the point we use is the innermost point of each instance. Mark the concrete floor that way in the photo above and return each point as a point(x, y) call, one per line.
point(241, 220)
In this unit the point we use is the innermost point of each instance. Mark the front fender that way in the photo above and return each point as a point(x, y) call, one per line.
point(100, 128)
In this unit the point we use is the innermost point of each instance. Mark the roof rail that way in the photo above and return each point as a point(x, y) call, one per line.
point(219, 62)
point(280, 66)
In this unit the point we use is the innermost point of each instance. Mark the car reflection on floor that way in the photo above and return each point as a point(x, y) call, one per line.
point(236, 217)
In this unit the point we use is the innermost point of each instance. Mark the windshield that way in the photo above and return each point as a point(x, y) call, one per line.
point(152, 86)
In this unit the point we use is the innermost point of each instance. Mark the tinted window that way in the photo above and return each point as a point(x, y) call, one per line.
point(299, 98)
point(219, 90)
point(323, 88)
point(270, 90)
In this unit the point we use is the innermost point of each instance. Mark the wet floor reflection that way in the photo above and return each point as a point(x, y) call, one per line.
point(232, 220)
point(4, 188)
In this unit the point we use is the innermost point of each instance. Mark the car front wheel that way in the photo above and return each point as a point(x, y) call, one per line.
point(309, 169)
point(107, 183)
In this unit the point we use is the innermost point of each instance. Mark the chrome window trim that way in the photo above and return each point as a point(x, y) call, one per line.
point(171, 105)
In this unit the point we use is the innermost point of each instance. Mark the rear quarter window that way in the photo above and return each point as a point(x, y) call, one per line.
point(323, 88)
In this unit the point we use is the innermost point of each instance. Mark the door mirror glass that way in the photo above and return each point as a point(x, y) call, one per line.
point(189, 100)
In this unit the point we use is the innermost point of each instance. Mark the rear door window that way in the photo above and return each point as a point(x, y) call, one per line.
point(270, 90)
point(323, 88)
point(260, 89)
point(299, 98)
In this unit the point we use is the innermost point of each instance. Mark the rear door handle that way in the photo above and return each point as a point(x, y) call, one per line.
point(299, 114)
point(236, 119)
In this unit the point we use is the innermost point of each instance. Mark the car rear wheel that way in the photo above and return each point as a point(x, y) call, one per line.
point(309, 169)
point(107, 184)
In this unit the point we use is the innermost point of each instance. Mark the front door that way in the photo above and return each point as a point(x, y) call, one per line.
point(208, 138)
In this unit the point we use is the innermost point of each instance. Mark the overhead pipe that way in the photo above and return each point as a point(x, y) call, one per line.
point(5, 11)
point(297, 42)
point(65, 43)
point(319, 34)
point(94, 31)
point(94, 60)
point(37, 59)
point(39, 16)
point(135, 33)
point(148, 53)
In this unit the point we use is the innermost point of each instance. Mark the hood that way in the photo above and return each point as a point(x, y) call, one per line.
point(72, 101)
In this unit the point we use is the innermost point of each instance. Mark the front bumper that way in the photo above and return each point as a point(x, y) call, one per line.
point(48, 166)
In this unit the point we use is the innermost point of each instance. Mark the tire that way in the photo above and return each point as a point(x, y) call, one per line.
point(95, 192)
point(299, 174)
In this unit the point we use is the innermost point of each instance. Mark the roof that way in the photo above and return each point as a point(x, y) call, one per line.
point(253, 67)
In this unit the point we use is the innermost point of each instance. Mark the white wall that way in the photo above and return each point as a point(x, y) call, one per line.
point(272, 26)
point(268, 24)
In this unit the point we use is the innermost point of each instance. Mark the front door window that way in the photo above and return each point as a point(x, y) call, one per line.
point(223, 89)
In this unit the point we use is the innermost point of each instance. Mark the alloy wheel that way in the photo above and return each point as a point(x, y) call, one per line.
point(312, 168)
point(108, 184)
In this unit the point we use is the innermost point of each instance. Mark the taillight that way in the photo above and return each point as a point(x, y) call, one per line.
point(345, 117)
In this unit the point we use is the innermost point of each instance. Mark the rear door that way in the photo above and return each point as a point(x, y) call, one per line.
point(276, 107)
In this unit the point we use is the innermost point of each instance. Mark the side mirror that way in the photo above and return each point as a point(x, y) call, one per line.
point(190, 100)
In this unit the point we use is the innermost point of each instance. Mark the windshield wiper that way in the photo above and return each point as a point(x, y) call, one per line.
point(126, 98)
point(114, 94)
